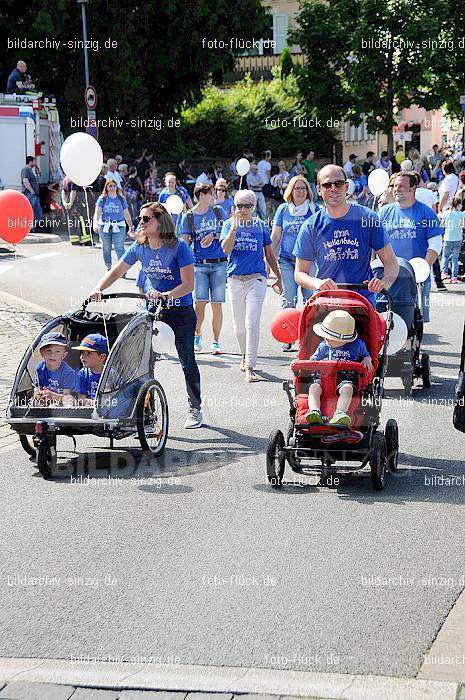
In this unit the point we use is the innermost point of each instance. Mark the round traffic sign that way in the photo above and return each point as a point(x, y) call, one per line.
point(90, 96)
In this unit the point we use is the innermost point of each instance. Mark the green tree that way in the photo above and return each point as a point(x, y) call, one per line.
point(165, 52)
point(375, 57)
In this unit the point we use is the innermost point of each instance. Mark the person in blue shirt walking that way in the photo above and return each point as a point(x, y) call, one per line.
point(110, 218)
point(221, 197)
point(173, 187)
point(454, 225)
point(340, 239)
point(413, 228)
point(168, 267)
point(247, 242)
point(201, 228)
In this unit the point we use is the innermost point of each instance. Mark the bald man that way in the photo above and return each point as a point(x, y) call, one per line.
point(340, 239)
point(18, 80)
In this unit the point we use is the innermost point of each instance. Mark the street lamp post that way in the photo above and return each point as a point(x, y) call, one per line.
point(83, 3)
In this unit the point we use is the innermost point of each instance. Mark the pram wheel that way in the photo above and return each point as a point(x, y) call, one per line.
point(425, 371)
point(46, 459)
point(392, 444)
point(378, 459)
point(152, 418)
point(275, 459)
point(27, 446)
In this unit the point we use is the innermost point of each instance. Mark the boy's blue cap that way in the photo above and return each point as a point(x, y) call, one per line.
point(95, 342)
point(53, 338)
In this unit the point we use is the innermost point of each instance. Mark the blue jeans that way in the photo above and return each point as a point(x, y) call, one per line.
point(451, 250)
point(290, 293)
point(182, 320)
point(210, 282)
point(314, 192)
point(36, 208)
point(424, 299)
point(109, 239)
point(261, 205)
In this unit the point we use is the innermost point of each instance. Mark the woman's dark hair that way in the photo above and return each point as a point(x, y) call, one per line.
point(448, 168)
point(203, 188)
point(274, 170)
point(166, 232)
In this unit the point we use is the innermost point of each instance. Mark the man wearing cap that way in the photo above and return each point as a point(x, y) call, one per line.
point(56, 380)
point(340, 239)
point(94, 351)
point(349, 165)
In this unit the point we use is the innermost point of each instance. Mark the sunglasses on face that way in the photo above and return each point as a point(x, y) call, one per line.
point(145, 218)
point(300, 189)
point(108, 187)
point(338, 184)
point(244, 206)
point(221, 189)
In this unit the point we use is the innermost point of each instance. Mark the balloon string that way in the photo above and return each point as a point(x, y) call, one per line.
point(88, 218)
point(16, 261)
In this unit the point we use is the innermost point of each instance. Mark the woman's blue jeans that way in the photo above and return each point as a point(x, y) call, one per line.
point(112, 239)
point(290, 293)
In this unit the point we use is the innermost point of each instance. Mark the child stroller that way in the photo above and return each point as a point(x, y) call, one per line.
point(327, 444)
point(407, 364)
point(128, 401)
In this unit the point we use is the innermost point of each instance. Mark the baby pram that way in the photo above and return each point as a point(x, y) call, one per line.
point(408, 364)
point(327, 444)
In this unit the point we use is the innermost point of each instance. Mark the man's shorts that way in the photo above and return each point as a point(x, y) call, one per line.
point(210, 282)
point(344, 378)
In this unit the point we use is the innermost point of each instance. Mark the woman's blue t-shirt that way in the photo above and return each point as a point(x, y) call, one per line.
point(112, 207)
point(247, 256)
point(290, 226)
point(162, 267)
point(227, 206)
point(205, 224)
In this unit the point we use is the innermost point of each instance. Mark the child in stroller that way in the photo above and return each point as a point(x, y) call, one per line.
point(340, 342)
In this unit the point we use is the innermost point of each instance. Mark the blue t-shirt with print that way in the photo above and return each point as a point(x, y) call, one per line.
point(162, 267)
point(247, 256)
point(409, 229)
point(355, 351)
point(204, 224)
point(88, 382)
point(290, 226)
point(112, 207)
point(63, 378)
point(227, 206)
point(342, 247)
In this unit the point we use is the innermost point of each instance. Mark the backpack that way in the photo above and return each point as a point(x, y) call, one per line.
point(459, 407)
point(191, 223)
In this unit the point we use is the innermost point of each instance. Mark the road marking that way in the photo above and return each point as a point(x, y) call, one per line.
point(221, 679)
point(42, 256)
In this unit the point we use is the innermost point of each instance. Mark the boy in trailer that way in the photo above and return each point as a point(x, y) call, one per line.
point(340, 343)
point(94, 352)
point(55, 378)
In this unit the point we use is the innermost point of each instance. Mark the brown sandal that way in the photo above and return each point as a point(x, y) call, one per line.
point(242, 365)
point(250, 375)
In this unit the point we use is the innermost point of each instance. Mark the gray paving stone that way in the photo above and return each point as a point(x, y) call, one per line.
point(209, 696)
point(94, 694)
point(150, 695)
point(36, 691)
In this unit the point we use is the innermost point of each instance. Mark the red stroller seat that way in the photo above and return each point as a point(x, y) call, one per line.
point(370, 327)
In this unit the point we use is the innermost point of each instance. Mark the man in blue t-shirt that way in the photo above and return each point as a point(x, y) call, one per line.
point(340, 240)
point(413, 228)
point(201, 229)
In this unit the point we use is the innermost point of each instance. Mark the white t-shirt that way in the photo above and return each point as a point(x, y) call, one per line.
point(264, 169)
point(116, 177)
point(450, 185)
point(428, 197)
point(349, 168)
point(203, 179)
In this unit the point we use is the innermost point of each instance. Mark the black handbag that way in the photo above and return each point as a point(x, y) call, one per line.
point(459, 399)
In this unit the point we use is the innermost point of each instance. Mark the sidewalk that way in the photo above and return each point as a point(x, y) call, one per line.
point(19, 323)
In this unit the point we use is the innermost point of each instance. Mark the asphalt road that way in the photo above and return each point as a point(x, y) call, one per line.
point(193, 557)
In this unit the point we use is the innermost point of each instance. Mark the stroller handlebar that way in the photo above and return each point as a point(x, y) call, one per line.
point(159, 303)
point(364, 285)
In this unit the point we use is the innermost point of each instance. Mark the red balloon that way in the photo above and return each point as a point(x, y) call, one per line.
point(16, 216)
point(285, 325)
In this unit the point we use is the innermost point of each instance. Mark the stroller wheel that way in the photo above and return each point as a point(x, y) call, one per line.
point(425, 371)
point(152, 418)
point(378, 461)
point(47, 459)
point(275, 459)
point(27, 445)
point(392, 444)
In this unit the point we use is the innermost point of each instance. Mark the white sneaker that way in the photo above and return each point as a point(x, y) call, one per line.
point(194, 419)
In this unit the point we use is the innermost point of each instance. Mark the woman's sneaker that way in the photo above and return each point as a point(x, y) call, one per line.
point(341, 418)
point(194, 419)
point(455, 280)
point(216, 350)
point(197, 343)
point(314, 417)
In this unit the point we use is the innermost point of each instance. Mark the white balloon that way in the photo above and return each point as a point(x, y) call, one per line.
point(174, 204)
point(242, 166)
point(163, 338)
point(350, 188)
point(398, 334)
point(81, 158)
point(378, 181)
point(421, 268)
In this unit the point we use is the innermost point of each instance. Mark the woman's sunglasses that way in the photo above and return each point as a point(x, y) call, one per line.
point(221, 189)
point(244, 206)
point(108, 186)
point(145, 218)
point(338, 184)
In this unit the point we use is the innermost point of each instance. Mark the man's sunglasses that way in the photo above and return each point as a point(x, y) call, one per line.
point(338, 184)
point(145, 218)
point(244, 206)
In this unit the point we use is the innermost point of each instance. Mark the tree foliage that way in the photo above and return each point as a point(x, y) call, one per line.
point(375, 57)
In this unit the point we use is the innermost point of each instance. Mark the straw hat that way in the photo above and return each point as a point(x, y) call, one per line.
point(338, 325)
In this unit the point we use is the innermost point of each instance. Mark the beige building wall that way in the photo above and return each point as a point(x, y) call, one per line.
point(279, 9)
